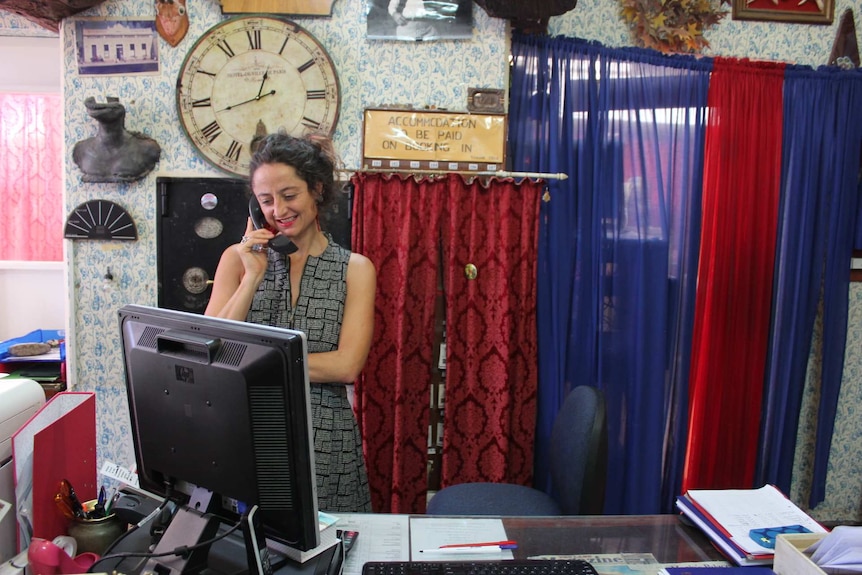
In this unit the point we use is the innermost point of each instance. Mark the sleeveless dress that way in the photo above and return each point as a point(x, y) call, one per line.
point(342, 481)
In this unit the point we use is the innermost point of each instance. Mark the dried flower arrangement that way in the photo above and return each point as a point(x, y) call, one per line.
point(672, 26)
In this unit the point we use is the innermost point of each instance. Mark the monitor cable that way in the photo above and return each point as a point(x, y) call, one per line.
point(164, 514)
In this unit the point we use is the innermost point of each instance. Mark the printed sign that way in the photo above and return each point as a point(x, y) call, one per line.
point(434, 140)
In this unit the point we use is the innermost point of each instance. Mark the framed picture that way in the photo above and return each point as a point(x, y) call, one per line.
point(291, 7)
point(794, 11)
point(420, 20)
point(116, 47)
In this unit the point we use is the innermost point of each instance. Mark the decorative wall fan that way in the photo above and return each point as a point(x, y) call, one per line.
point(100, 220)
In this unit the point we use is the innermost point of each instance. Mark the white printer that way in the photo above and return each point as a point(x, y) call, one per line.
point(19, 400)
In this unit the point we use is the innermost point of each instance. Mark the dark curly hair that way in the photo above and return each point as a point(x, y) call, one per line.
point(312, 156)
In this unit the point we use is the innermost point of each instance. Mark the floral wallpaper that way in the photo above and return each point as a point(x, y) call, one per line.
point(371, 73)
point(808, 44)
point(15, 25)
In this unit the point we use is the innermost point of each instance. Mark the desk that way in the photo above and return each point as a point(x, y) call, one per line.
point(659, 539)
point(666, 538)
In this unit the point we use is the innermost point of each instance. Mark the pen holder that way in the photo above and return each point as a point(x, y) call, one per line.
point(95, 535)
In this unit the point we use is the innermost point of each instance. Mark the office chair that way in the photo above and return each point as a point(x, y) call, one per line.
point(578, 462)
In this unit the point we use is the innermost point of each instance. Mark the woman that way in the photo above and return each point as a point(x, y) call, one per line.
point(321, 289)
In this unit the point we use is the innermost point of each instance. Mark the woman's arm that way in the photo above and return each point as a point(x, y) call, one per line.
point(237, 276)
point(357, 327)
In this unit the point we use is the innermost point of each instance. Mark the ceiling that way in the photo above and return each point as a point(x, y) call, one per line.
point(47, 13)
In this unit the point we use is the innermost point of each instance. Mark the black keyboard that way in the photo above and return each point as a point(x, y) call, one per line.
point(497, 567)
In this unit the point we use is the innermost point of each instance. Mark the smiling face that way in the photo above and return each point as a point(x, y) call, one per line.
point(287, 203)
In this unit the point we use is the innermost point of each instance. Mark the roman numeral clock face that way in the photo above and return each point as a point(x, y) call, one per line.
point(254, 75)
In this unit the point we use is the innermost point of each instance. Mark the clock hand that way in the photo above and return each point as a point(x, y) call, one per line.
point(232, 106)
point(263, 81)
point(259, 92)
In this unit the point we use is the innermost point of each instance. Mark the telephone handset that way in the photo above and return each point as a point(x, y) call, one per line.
point(281, 244)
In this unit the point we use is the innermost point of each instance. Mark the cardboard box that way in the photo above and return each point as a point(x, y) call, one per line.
point(790, 558)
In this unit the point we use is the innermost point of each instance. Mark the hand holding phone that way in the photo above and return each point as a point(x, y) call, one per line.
point(279, 243)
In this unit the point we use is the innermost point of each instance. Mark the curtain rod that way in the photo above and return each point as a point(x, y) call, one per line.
point(498, 173)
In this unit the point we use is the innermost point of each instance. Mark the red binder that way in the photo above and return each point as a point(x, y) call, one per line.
point(58, 442)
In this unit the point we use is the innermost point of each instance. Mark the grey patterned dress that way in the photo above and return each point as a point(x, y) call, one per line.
point(342, 482)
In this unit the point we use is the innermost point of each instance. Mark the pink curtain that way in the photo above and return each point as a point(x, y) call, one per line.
point(31, 177)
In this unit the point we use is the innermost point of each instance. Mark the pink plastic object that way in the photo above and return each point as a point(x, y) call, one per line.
point(46, 558)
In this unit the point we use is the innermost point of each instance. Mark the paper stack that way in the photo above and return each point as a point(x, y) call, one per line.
point(742, 522)
point(840, 551)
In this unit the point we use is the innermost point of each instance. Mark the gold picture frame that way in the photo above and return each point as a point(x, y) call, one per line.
point(790, 11)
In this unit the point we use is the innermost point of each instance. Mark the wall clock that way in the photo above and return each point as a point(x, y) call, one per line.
point(253, 75)
point(100, 220)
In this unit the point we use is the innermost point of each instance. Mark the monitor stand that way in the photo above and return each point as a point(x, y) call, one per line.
point(189, 528)
point(228, 556)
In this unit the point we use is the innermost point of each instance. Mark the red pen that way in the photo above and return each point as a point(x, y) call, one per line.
point(502, 544)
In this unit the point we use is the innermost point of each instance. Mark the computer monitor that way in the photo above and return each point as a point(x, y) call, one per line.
point(223, 405)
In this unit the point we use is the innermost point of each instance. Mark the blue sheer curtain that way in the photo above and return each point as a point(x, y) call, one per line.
point(618, 245)
point(542, 79)
point(820, 167)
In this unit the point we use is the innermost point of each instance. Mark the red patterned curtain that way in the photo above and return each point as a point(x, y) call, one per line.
point(396, 224)
point(490, 249)
point(31, 177)
point(401, 224)
point(740, 217)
